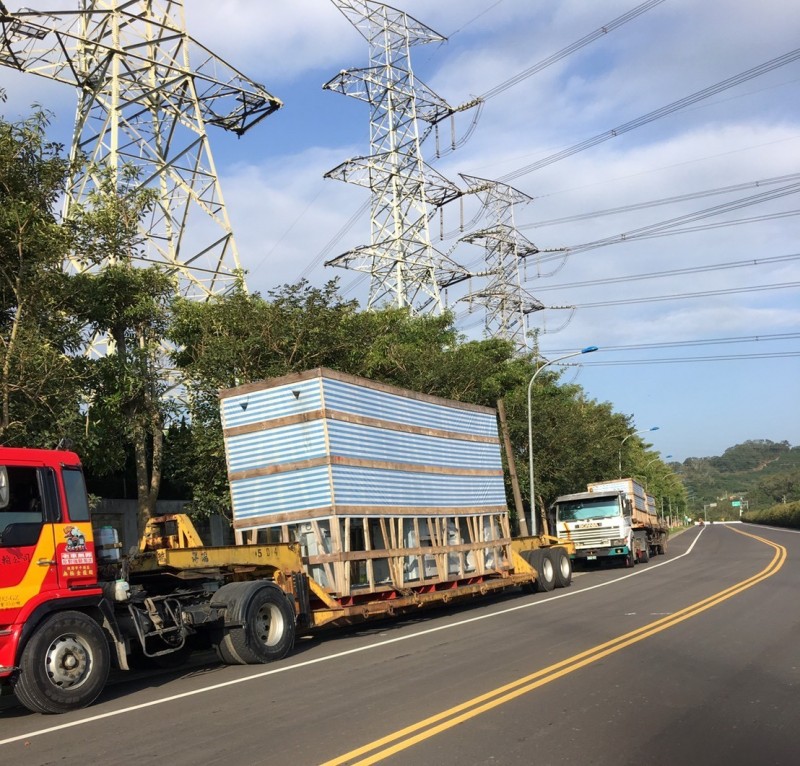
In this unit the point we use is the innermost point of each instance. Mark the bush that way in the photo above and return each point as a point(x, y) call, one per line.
point(783, 515)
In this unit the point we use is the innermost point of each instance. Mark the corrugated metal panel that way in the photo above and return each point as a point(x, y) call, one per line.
point(366, 442)
point(281, 493)
point(370, 487)
point(346, 397)
point(271, 403)
point(298, 490)
point(276, 446)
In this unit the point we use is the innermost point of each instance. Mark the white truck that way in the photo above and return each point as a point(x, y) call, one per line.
point(612, 519)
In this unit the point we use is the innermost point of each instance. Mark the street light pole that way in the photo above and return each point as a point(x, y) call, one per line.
point(622, 444)
point(587, 350)
point(666, 457)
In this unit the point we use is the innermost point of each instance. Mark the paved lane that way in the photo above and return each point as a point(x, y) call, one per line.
point(712, 678)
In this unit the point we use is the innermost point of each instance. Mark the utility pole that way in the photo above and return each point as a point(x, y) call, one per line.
point(506, 302)
point(405, 270)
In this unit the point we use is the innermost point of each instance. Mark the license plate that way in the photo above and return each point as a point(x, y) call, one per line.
point(591, 558)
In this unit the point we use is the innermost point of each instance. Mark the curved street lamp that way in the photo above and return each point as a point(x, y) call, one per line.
point(643, 431)
point(644, 470)
point(587, 350)
point(666, 457)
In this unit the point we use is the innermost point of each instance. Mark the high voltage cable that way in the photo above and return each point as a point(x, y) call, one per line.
point(677, 296)
point(645, 231)
point(673, 272)
point(681, 359)
point(661, 201)
point(702, 227)
point(681, 103)
point(577, 45)
point(335, 238)
point(686, 343)
point(683, 296)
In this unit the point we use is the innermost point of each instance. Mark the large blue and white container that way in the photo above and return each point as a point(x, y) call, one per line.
point(309, 449)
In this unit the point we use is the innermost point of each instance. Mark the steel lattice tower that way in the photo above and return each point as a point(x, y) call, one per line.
point(146, 92)
point(404, 268)
point(506, 301)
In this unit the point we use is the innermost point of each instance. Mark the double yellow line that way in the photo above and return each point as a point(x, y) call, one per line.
point(447, 719)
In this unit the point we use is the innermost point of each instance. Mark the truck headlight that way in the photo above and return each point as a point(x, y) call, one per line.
point(620, 541)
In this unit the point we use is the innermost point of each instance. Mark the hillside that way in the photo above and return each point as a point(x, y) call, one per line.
point(759, 473)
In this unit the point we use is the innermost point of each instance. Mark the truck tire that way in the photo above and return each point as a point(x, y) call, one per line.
point(543, 563)
point(563, 567)
point(645, 557)
point(267, 630)
point(64, 665)
point(629, 560)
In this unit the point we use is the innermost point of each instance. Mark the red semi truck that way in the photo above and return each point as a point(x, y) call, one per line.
point(72, 607)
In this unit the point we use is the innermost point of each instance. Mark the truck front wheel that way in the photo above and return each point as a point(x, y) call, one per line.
point(65, 664)
point(267, 630)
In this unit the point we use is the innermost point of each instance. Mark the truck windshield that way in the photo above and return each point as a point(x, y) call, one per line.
point(579, 510)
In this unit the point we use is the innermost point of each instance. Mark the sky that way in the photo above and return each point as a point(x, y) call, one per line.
point(698, 329)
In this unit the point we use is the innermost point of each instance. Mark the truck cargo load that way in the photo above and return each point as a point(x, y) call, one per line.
point(382, 487)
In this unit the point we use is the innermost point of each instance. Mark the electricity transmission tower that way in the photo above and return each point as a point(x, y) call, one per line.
point(505, 300)
point(146, 92)
point(404, 268)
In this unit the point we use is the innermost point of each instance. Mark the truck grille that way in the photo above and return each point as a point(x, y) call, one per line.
point(592, 537)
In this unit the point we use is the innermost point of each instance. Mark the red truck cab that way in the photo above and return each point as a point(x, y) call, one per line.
point(49, 591)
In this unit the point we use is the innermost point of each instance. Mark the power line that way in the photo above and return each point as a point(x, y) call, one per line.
point(687, 343)
point(332, 242)
point(661, 201)
point(684, 359)
point(673, 272)
point(577, 45)
point(655, 228)
point(681, 103)
point(474, 19)
point(684, 296)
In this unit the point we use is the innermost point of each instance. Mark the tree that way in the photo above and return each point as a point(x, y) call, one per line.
point(240, 338)
point(40, 370)
point(127, 309)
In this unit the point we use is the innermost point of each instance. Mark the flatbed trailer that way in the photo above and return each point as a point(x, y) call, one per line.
point(72, 607)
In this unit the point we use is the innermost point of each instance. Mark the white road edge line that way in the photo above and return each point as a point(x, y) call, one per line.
point(338, 655)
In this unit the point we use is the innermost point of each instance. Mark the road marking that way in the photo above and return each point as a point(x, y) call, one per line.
point(338, 655)
point(447, 719)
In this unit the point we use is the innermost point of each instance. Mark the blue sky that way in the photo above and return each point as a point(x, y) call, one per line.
point(286, 215)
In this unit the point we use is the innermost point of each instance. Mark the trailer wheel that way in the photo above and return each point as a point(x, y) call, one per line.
point(267, 630)
point(65, 664)
point(542, 562)
point(563, 567)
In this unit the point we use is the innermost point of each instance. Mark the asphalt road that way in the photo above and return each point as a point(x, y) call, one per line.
point(693, 658)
